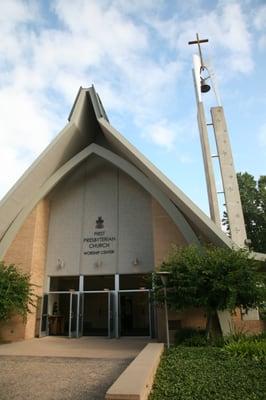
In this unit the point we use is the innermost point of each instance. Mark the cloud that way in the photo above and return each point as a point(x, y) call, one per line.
point(14, 12)
point(226, 25)
point(36, 122)
point(139, 7)
point(134, 52)
point(259, 24)
point(260, 18)
point(27, 125)
point(167, 134)
point(114, 33)
point(186, 159)
point(162, 134)
point(15, 18)
point(43, 65)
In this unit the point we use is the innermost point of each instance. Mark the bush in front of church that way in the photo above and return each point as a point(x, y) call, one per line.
point(16, 293)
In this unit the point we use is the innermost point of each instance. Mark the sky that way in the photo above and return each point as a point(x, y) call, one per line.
point(136, 54)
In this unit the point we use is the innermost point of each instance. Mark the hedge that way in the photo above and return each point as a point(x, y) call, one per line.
point(208, 373)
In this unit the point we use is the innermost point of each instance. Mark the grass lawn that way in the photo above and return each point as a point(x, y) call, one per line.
point(203, 373)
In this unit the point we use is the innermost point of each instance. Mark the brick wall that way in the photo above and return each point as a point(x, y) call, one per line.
point(165, 233)
point(251, 326)
point(191, 318)
point(28, 252)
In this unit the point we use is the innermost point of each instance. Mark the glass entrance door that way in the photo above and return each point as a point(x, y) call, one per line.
point(81, 312)
point(44, 328)
point(105, 311)
point(60, 314)
point(134, 313)
point(73, 315)
point(111, 314)
point(96, 312)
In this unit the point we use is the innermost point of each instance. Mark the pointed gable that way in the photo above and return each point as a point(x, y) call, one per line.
point(88, 124)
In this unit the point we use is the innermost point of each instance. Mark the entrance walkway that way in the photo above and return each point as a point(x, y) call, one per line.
point(85, 347)
point(57, 378)
point(58, 368)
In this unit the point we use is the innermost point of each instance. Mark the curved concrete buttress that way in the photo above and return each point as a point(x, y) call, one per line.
point(120, 163)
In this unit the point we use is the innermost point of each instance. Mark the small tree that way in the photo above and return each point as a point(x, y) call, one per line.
point(15, 292)
point(253, 199)
point(213, 279)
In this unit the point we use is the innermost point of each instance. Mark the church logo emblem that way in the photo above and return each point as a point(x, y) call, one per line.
point(99, 223)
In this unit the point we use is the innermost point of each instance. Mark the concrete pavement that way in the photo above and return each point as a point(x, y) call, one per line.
point(59, 368)
point(84, 347)
point(57, 378)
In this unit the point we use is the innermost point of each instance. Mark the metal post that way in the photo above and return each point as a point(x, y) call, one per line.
point(164, 275)
point(166, 319)
point(70, 315)
point(81, 283)
point(116, 307)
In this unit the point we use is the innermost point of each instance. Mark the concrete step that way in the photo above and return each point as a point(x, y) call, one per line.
point(136, 381)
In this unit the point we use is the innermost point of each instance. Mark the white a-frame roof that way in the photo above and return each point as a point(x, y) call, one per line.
point(88, 132)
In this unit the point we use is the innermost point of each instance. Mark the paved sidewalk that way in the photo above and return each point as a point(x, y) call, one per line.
point(84, 347)
point(58, 368)
point(46, 378)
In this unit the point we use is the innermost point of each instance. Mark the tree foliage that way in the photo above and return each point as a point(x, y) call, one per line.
point(253, 198)
point(213, 279)
point(15, 292)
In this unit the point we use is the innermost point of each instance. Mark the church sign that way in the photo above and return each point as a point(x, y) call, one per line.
point(99, 242)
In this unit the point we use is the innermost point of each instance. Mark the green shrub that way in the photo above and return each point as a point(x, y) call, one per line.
point(16, 292)
point(258, 336)
point(196, 341)
point(247, 348)
point(197, 338)
point(244, 337)
point(261, 335)
point(187, 373)
point(216, 341)
point(237, 337)
point(262, 311)
point(187, 336)
point(212, 279)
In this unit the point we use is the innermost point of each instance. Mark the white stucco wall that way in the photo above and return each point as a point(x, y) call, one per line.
point(64, 235)
point(135, 227)
point(97, 189)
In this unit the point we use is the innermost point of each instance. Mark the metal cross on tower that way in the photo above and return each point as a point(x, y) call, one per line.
point(198, 42)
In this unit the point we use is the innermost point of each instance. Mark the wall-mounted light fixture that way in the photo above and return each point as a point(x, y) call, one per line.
point(136, 262)
point(60, 264)
point(98, 264)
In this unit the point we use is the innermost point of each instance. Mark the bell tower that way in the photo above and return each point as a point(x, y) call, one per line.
point(203, 83)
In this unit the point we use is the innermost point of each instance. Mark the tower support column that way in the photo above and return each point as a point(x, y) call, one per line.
point(230, 184)
point(208, 167)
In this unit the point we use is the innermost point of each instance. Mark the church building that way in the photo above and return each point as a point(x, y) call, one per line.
point(90, 220)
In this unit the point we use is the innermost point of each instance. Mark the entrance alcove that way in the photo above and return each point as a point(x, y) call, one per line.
point(98, 305)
